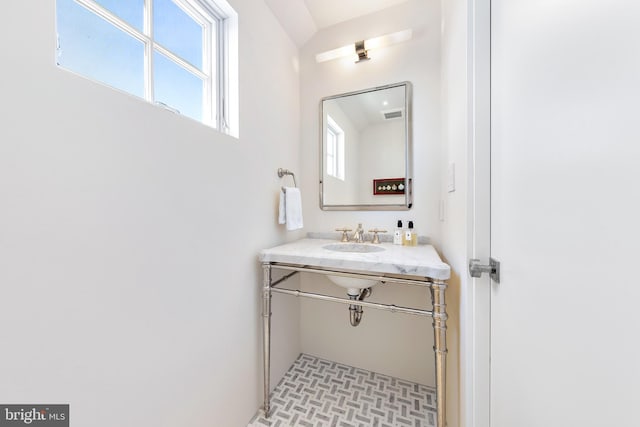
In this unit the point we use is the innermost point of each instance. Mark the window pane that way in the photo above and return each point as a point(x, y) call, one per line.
point(331, 143)
point(176, 87)
point(340, 156)
point(131, 11)
point(92, 47)
point(331, 148)
point(177, 31)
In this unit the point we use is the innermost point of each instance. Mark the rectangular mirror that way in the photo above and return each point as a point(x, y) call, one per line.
point(365, 149)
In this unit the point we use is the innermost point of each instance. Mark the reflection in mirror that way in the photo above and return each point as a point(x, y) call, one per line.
point(365, 149)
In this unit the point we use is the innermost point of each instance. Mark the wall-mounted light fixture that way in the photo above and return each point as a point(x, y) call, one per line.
point(360, 49)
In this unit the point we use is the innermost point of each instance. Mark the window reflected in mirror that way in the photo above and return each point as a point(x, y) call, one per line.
point(335, 150)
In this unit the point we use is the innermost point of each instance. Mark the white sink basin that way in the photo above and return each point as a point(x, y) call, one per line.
point(351, 284)
point(359, 248)
point(354, 286)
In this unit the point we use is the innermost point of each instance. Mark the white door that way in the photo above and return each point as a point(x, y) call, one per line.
point(565, 213)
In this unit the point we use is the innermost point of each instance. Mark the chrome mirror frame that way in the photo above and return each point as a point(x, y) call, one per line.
point(408, 199)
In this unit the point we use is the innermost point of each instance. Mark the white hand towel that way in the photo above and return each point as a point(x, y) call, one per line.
point(290, 208)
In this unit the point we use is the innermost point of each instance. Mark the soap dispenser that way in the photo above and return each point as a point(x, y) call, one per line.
point(410, 238)
point(397, 234)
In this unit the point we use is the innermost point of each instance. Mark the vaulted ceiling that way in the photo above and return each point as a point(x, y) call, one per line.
point(303, 18)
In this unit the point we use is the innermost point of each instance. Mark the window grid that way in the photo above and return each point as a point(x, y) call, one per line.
point(212, 42)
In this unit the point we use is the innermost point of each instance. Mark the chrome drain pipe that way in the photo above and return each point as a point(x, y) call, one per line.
point(355, 310)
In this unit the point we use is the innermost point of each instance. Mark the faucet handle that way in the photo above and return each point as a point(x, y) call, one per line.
point(375, 232)
point(345, 237)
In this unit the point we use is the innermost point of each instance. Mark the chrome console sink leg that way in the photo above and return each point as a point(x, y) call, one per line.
point(266, 330)
point(440, 347)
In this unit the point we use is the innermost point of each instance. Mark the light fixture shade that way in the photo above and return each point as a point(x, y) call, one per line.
point(340, 52)
point(374, 43)
point(388, 39)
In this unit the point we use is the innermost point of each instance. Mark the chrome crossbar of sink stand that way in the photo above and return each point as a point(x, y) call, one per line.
point(439, 315)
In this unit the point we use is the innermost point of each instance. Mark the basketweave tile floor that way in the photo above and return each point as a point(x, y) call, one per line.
point(318, 393)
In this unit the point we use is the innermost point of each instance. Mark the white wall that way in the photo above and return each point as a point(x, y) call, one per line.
point(455, 230)
point(418, 61)
point(129, 236)
point(395, 346)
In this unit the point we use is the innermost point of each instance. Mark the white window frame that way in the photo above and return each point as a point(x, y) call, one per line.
point(335, 137)
point(219, 41)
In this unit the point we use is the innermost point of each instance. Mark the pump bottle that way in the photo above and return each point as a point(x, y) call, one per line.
point(398, 234)
point(410, 238)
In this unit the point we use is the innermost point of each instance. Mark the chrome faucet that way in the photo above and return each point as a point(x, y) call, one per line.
point(358, 235)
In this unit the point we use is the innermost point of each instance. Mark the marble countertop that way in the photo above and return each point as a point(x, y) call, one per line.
point(421, 260)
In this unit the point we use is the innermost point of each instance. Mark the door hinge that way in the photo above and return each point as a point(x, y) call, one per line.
point(476, 269)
